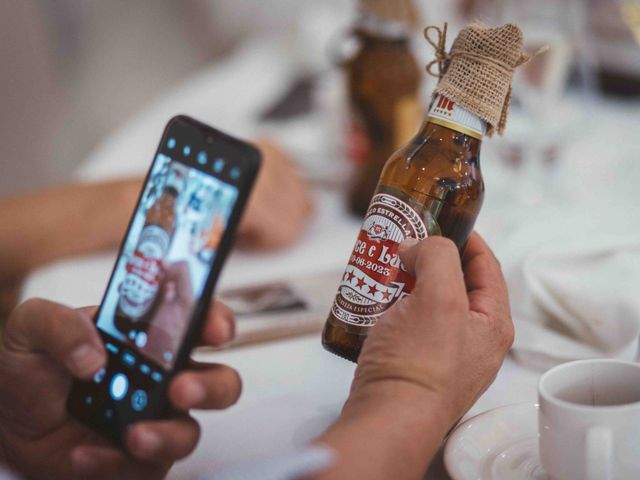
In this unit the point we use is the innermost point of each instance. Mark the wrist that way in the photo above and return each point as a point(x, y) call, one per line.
point(117, 200)
point(388, 429)
point(122, 194)
point(407, 400)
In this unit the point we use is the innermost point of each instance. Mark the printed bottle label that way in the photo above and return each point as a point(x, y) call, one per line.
point(144, 272)
point(446, 113)
point(375, 278)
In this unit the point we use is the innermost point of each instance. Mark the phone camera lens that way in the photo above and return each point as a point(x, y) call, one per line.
point(210, 139)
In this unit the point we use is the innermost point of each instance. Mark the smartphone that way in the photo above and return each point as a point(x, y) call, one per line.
point(158, 295)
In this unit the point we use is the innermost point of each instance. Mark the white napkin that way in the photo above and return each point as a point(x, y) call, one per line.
point(575, 292)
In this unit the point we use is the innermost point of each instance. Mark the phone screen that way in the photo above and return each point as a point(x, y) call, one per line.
point(166, 257)
point(162, 281)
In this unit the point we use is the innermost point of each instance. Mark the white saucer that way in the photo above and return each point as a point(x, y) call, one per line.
point(498, 444)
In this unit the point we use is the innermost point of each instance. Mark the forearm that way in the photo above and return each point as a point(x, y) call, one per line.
point(63, 221)
point(393, 432)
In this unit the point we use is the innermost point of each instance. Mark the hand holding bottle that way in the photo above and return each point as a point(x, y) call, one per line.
point(425, 363)
point(451, 335)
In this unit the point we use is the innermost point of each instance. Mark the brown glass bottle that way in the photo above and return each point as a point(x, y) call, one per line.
point(383, 84)
point(436, 177)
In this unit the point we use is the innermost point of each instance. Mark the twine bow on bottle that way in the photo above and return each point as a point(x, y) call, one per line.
point(442, 58)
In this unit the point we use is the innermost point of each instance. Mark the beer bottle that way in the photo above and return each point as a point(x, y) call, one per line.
point(143, 276)
point(383, 85)
point(431, 186)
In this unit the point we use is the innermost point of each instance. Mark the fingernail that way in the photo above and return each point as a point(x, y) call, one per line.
point(408, 243)
point(83, 463)
point(227, 328)
point(86, 359)
point(194, 393)
point(170, 292)
point(149, 442)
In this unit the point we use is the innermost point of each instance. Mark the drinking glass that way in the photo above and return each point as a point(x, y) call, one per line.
point(544, 113)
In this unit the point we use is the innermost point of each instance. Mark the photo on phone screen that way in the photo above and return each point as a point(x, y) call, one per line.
point(166, 259)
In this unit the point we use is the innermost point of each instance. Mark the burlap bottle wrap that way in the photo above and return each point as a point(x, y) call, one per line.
point(476, 74)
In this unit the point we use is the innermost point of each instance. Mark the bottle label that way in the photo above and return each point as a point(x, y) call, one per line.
point(446, 113)
point(144, 272)
point(375, 278)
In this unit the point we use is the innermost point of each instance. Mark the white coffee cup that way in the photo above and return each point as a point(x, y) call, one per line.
point(589, 420)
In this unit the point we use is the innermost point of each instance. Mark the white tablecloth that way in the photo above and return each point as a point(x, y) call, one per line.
point(293, 389)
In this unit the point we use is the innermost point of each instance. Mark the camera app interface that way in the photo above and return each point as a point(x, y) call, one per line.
point(168, 253)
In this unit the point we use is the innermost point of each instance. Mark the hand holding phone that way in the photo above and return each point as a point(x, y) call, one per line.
point(158, 295)
point(44, 346)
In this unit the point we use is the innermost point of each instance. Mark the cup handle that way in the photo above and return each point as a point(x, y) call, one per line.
point(598, 454)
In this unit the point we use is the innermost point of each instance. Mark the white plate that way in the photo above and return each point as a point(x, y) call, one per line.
point(498, 444)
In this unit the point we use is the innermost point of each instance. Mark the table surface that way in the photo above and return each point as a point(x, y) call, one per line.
point(293, 389)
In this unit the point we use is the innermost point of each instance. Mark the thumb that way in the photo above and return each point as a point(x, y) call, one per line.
point(408, 251)
point(66, 335)
point(435, 262)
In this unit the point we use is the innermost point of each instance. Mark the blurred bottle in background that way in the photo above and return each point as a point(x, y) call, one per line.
point(383, 87)
point(617, 34)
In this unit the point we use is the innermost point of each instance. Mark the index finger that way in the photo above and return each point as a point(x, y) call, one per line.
point(483, 276)
point(219, 327)
point(435, 262)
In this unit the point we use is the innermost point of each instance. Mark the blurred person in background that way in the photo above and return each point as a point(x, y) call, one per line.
point(77, 219)
point(57, 98)
point(73, 70)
